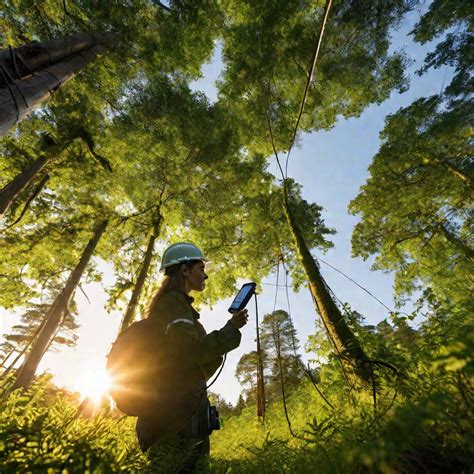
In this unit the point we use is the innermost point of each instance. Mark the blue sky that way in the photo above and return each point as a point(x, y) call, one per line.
point(331, 166)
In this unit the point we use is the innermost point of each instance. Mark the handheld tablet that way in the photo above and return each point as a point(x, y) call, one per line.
point(243, 297)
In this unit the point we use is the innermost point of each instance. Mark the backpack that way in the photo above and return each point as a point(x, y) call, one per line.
point(137, 366)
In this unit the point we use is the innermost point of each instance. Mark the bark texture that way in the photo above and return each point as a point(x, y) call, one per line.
point(31, 74)
point(346, 344)
point(22, 61)
point(22, 97)
point(54, 315)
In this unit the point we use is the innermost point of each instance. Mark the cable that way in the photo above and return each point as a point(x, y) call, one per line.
point(339, 358)
point(308, 81)
point(305, 370)
point(358, 284)
point(260, 380)
point(17, 105)
point(13, 60)
point(204, 390)
point(277, 285)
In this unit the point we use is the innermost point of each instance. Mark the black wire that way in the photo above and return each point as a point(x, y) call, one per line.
point(260, 388)
point(7, 76)
point(218, 373)
point(277, 285)
point(305, 370)
point(13, 59)
point(339, 358)
point(308, 81)
point(358, 284)
point(204, 390)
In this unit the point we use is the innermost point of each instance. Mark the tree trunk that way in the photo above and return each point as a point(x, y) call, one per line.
point(54, 315)
point(260, 380)
point(22, 97)
point(14, 188)
point(345, 342)
point(22, 61)
point(137, 290)
point(30, 199)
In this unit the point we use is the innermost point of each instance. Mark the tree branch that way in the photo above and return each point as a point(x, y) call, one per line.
point(35, 193)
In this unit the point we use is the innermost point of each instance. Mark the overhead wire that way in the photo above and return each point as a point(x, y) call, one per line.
point(357, 284)
point(300, 113)
point(277, 285)
point(314, 61)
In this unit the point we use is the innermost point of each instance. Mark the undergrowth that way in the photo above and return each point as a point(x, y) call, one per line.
point(421, 423)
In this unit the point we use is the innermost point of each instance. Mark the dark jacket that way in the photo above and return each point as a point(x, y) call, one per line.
point(195, 357)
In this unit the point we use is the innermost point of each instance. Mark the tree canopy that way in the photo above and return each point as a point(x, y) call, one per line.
point(416, 206)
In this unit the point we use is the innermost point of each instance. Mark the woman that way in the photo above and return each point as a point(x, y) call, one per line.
point(177, 432)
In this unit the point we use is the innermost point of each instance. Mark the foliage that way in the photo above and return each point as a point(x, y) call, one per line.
point(128, 140)
point(40, 431)
point(416, 207)
point(279, 346)
point(30, 321)
point(422, 421)
point(456, 19)
point(267, 50)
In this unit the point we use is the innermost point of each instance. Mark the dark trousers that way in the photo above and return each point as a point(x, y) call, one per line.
point(185, 449)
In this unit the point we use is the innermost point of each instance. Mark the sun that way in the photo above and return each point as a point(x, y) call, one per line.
point(93, 383)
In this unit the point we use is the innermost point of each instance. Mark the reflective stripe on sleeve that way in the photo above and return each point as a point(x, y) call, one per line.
point(179, 320)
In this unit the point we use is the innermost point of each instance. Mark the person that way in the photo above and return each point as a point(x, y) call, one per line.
point(175, 434)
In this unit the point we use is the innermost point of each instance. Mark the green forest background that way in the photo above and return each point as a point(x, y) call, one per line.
point(109, 155)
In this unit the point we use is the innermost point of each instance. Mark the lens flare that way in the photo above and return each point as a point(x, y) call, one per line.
point(93, 383)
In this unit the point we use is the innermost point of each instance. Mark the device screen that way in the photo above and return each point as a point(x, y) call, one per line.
point(242, 297)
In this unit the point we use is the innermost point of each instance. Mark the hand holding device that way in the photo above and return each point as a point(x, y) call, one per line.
point(240, 318)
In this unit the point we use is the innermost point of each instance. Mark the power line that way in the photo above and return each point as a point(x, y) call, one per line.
point(358, 284)
point(308, 81)
point(277, 285)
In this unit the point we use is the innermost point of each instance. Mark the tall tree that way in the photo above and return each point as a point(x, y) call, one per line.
point(246, 374)
point(43, 68)
point(416, 207)
point(55, 313)
point(267, 53)
point(347, 346)
point(25, 334)
point(144, 268)
point(280, 344)
point(264, 88)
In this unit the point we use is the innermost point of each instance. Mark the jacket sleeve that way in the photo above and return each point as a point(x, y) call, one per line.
point(211, 368)
point(183, 336)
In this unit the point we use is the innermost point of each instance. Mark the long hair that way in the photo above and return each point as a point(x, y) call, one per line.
point(173, 280)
